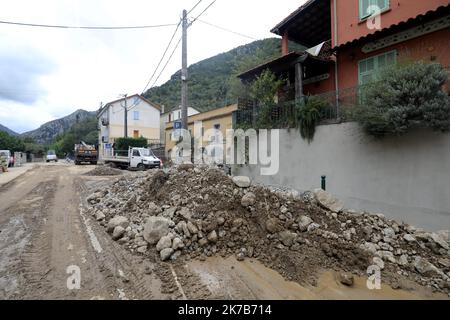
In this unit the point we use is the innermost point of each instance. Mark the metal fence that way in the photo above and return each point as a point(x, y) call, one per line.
point(283, 114)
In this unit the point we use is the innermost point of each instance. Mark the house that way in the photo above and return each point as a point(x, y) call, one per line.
point(218, 119)
point(143, 120)
point(170, 116)
point(348, 46)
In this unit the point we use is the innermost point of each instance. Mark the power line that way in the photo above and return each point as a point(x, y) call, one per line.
point(86, 27)
point(168, 60)
point(206, 9)
point(227, 30)
point(193, 8)
point(163, 56)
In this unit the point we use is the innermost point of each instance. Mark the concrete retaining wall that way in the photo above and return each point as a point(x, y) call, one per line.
point(407, 178)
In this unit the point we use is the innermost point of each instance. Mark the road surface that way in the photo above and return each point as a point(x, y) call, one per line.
point(51, 249)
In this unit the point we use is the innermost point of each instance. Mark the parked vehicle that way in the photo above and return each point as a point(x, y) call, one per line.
point(137, 158)
point(85, 153)
point(9, 157)
point(51, 156)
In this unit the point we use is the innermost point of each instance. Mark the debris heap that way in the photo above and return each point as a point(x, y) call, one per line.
point(104, 171)
point(196, 212)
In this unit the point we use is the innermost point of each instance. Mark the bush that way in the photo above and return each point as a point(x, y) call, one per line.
point(309, 115)
point(125, 143)
point(405, 96)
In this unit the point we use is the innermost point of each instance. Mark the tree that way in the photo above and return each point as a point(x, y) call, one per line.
point(8, 142)
point(404, 96)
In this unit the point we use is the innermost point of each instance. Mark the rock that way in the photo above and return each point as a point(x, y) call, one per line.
point(386, 256)
point(153, 209)
point(242, 181)
point(192, 228)
point(369, 247)
point(313, 226)
point(444, 262)
point(389, 232)
point(164, 243)
point(176, 255)
point(426, 268)
point(99, 216)
point(240, 256)
point(409, 238)
point(185, 213)
point(118, 232)
point(117, 221)
point(169, 213)
point(177, 244)
point(182, 228)
point(203, 242)
point(272, 225)
point(327, 201)
point(220, 221)
point(166, 254)
point(403, 260)
point(303, 222)
point(155, 229)
point(248, 199)
point(439, 240)
point(142, 249)
point(287, 238)
point(212, 236)
point(346, 279)
point(445, 234)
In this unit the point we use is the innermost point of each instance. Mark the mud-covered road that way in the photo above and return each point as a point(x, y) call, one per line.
point(51, 249)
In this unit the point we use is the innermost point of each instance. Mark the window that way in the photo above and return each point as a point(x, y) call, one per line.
point(136, 115)
point(136, 153)
point(136, 134)
point(368, 68)
point(217, 126)
point(364, 6)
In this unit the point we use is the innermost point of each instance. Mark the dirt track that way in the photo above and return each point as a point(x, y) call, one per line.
point(44, 230)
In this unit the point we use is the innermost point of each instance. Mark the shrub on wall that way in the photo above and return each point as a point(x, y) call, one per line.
point(309, 115)
point(125, 143)
point(405, 96)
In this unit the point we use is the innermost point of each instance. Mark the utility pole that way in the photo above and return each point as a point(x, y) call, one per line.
point(184, 75)
point(125, 118)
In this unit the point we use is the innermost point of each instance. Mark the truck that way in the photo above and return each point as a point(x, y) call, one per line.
point(134, 158)
point(8, 156)
point(85, 153)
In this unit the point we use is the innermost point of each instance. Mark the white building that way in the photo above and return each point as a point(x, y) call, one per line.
point(173, 115)
point(143, 120)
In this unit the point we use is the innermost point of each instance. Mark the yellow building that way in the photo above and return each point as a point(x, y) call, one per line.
point(220, 119)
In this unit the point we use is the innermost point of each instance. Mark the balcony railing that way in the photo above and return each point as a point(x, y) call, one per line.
point(283, 114)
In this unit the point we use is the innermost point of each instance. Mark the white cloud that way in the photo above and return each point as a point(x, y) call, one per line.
point(71, 69)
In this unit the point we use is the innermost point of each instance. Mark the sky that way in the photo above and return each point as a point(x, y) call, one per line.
point(46, 73)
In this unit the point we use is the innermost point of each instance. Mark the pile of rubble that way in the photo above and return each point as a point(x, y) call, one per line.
point(195, 212)
point(104, 171)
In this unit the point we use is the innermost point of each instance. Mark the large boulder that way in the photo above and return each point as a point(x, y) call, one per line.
point(117, 221)
point(242, 181)
point(287, 238)
point(426, 268)
point(327, 201)
point(155, 229)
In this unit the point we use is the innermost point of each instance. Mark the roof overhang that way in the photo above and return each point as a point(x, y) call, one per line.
point(309, 25)
point(284, 64)
point(404, 25)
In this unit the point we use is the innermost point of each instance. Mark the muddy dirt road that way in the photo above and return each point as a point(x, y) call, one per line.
point(46, 238)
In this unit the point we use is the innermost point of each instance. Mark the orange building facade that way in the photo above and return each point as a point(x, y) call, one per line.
point(348, 41)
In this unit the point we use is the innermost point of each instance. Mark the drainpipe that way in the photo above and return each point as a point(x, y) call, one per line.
point(336, 69)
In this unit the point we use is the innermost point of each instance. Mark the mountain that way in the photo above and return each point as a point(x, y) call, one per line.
point(46, 133)
point(211, 81)
point(8, 131)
